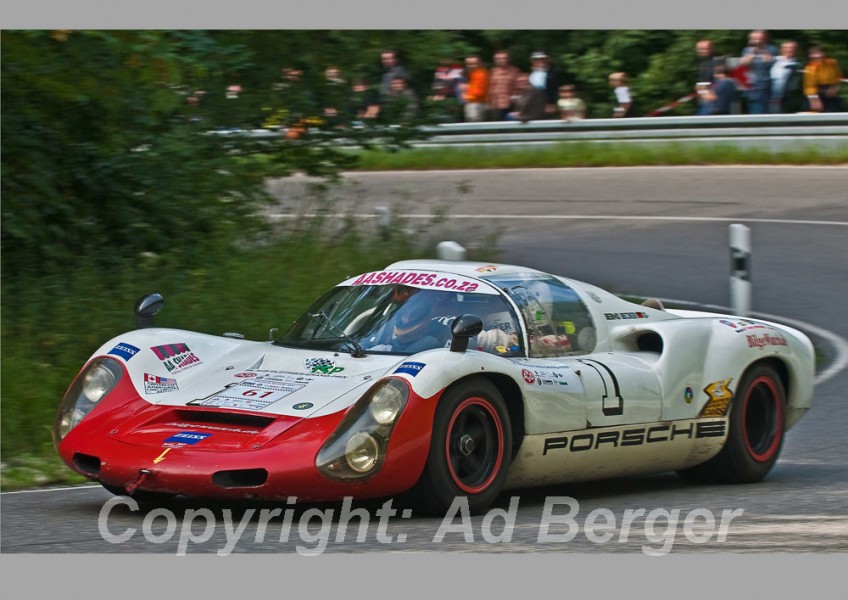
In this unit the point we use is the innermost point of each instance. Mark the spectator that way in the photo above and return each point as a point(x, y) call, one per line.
point(706, 67)
point(401, 105)
point(445, 93)
point(391, 70)
point(571, 108)
point(446, 80)
point(785, 80)
point(706, 61)
point(541, 96)
point(822, 77)
point(624, 106)
point(475, 90)
point(363, 103)
point(334, 92)
point(717, 97)
point(758, 57)
point(503, 79)
point(519, 99)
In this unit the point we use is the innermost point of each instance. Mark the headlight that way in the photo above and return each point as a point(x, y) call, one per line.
point(356, 449)
point(97, 382)
point(386, 404)
point(92, 385)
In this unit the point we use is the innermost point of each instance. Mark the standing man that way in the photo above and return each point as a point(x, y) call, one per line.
point(476, 90)
point(503, 79)
point(785, 80)
point(822, 77)
point(758, 57)
point(541, 97)
point(717, 96)
point(392, 69)
point(706, 67)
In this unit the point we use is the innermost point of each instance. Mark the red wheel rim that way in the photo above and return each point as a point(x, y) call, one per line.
point(762, 419)
point(474, 445)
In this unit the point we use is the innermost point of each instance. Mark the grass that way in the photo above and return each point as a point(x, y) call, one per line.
point(593, 155)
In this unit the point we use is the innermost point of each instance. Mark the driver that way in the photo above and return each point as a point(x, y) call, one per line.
point(424, 322)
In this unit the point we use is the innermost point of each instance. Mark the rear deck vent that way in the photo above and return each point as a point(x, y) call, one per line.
point(87, 463)
point(240, 478)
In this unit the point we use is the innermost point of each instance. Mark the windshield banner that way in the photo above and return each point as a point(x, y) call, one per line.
point(448, 282)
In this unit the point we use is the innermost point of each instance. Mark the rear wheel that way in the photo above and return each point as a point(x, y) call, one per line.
point(470, 449)
point(756, 432)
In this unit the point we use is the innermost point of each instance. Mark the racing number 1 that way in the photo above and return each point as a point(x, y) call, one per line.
point(605, 374)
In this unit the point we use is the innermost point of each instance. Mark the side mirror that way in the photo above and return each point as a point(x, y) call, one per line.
point(146, 307)
point(464, 328)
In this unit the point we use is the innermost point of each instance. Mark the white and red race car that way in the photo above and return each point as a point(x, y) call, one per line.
point(442, 378)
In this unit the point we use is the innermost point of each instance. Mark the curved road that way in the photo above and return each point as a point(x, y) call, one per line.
point(647, 231)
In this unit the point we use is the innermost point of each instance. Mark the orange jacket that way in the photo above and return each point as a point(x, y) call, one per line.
point(478, 85)
point(825, 72)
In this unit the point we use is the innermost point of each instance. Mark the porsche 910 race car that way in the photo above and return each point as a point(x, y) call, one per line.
point(441, 379)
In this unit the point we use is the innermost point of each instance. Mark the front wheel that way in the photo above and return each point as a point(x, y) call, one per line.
point(756, 431)
point(470, 449)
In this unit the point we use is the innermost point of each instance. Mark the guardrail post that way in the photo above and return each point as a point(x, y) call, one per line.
point(450, 251)
point(740, 269)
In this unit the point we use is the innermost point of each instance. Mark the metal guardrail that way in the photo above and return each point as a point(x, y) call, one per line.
point(823, 131)
point(826, 131)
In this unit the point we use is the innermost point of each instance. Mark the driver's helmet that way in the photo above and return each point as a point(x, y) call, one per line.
point(414, 315)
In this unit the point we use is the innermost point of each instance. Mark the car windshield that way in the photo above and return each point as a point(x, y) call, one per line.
point(402, 319)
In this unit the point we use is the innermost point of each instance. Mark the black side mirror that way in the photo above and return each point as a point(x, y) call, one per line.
point(146, 307)
point(463, 329)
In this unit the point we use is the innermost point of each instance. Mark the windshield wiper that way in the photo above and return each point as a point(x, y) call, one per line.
point(322, 317)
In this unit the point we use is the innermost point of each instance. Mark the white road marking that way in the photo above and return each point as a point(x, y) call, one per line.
point(583, 218)
point(43, 490)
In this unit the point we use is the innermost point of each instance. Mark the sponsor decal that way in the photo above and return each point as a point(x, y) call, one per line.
point(594, 297)
point(636, 436)
point(161, 457)
point(410, 368)
point(324, 366)
point(764, 340)
point(124, 350)
point(153, 384)
point(620, 316)
point(720, 396)
point(302, 406)
point(486, 269)
point(742, 325)
point(243, 375)
point(550, 377)
point(439, 281)
point(176, 357)
point(257, 393)
point(186, 438)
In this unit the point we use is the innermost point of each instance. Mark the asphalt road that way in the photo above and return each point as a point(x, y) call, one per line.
point(648, 231)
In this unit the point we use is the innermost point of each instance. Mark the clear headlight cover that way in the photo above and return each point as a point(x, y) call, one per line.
point(356, 449)
point(92, 385)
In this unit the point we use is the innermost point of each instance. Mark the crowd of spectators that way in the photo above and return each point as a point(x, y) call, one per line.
point(760, 79)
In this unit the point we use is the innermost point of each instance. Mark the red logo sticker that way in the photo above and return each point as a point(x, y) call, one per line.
point(528, 376)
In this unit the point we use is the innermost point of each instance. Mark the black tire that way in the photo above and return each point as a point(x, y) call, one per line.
point(140, 496)
point(755, 438)
point(470, 449)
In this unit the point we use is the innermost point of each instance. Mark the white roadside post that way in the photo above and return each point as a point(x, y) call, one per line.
point(384, 219)
point(740, 269)
point(450, 251)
